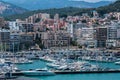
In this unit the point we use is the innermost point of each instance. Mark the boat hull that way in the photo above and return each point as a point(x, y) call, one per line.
point(37, 73)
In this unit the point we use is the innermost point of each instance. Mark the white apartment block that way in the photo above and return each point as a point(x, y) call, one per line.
point(70, 29)
point(14, 26)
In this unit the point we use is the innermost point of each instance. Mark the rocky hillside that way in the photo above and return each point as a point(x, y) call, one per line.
point(10, 9)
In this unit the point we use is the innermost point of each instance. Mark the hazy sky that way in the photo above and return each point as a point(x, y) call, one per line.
point(94, 0)
point(77, 0)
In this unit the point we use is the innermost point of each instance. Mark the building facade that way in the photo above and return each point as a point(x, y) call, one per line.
point(56, 39)
point(101, 36)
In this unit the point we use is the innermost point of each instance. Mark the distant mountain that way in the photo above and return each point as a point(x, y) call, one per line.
point(9, 9)
point(63, 12)
point(46, 4)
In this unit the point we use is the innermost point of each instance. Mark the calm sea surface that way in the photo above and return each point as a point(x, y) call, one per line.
point(107, 76)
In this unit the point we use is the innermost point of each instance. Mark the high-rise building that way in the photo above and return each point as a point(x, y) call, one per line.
point(112, 32)
point(70, 29)
point(101, 36)
point(113, 35)
point(4, 35)
point(27, 27)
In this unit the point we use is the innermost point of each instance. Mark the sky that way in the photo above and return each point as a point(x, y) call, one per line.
point(94, 0)
point(80, 0)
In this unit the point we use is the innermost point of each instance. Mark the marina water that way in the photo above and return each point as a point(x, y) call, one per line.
point(101, 76)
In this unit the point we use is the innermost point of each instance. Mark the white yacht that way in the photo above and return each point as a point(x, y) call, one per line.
point(38, 72)
point(52, 65)
point(117, 63)
point(57, 64)
point(47, 58)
